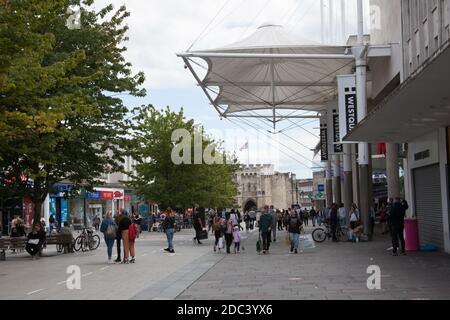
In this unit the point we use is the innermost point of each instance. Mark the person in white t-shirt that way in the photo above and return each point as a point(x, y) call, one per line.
point(342, 215)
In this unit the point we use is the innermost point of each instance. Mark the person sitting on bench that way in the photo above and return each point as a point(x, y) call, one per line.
point(36, 239)
point(67, 237)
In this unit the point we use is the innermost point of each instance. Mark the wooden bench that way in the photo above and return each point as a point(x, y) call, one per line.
point(64, 243)
point(11, 244)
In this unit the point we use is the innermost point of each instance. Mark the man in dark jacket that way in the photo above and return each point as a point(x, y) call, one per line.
point(117, 219)
point(334, 220)
point(396, 222)
point(265, 227)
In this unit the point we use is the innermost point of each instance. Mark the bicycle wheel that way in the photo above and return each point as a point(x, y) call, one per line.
point(78, 243)
point(319, 235)
point(94, 242)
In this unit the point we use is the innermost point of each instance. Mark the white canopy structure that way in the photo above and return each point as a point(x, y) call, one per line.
point(271, 74)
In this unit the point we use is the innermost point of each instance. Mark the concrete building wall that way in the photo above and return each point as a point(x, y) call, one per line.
point(386, 29)
point(426, 27)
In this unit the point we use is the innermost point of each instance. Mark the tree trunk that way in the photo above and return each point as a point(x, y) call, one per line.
point(37, 209)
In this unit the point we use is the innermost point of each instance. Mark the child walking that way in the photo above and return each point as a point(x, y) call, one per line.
point(237, 239)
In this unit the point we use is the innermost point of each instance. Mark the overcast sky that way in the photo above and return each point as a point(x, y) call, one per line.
point(161, 28)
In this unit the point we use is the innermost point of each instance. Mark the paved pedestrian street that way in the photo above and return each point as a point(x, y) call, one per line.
point(330, 271)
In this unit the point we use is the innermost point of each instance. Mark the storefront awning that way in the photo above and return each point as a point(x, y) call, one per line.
point(419, 106)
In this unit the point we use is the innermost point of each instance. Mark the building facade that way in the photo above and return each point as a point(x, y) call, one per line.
point(305, 189)
point(261, 185)
point(411, 107)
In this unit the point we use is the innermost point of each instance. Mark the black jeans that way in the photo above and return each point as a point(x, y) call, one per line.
point(218, 235)
point(229, 241)
point(333, 225)
point(397, 236)
point(33, 249)
point(118, 248)
point(266, 239)
point(280, 225)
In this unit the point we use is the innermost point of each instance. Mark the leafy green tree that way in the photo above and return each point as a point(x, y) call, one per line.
point(60, 115)
point(182, 185)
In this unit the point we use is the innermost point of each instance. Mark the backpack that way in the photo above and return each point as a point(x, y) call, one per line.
point(216, 226)
point(132, 232)
point(293, 222)
point(111, 231)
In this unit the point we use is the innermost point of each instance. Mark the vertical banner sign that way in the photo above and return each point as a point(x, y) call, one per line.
point(334, 133)
point(348, 106)
point(324, 142)
point(338, 147)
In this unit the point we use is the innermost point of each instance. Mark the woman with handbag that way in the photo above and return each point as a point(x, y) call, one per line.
point(217, 229)
point(198, 227)
point(109, 230)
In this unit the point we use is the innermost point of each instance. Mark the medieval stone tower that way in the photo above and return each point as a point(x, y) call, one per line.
point(260, 185)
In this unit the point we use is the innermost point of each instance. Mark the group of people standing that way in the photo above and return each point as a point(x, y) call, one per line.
point(272, 220)
point(122, 231)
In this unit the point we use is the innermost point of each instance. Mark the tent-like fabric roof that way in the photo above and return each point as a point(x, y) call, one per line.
point(262, 72)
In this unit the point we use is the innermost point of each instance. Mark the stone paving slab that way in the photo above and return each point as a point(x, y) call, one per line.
point(333, 271)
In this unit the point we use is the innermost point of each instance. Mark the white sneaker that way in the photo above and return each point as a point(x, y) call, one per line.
point(110, 261)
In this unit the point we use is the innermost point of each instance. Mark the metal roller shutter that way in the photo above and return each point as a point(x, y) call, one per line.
point(428, 203)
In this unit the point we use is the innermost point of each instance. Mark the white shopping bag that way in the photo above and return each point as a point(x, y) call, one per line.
point(221, 244)
point(307, 242)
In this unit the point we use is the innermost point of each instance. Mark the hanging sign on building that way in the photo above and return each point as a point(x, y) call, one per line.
point(334, 133)
point(348, 105)
point(324, 142)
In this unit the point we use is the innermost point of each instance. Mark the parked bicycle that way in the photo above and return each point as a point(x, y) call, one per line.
point(323, 233)
point(87, 240)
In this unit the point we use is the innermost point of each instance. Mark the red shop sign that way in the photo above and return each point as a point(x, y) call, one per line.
point(118, 194)
point(107, 195)
point(127, 198)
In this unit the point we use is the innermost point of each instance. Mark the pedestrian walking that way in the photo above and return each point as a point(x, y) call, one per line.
point(265, 228)
point(109, 229)
point(383, 219)
point(274, 215)
point(237, 239)
point(218, 230)
point(397, 223)
point(334, 220)
point(247, 221)
point(280, 221)
point(342, 216)
point(228, 231)
point(97, 223)
point(137, 221)
point(198, 226)
point(313, 215)
point(117, 219)
point(294, 228)
point(35, 241)
point(286, 217)
point(169, 229)
point(305, 217)
point(128, 239)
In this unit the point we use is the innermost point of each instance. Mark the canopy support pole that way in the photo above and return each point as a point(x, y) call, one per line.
point(365, 176)
point(197, 78)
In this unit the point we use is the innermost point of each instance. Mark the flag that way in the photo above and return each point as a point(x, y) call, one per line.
point(244, 147)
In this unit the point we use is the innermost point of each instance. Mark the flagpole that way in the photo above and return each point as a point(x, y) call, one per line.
point(248, 153)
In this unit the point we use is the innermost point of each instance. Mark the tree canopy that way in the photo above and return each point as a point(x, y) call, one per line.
point(60, 114)
point(183, 185)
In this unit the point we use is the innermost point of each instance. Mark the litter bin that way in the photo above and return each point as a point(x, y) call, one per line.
point(412, 235)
